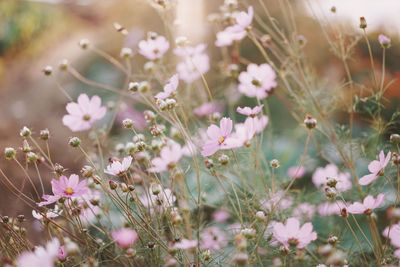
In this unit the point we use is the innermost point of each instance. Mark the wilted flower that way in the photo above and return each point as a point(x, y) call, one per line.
point(376, 168)
point(83, 114)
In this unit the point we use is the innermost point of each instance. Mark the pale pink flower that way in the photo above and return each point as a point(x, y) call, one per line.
point(124, 237)
point(118, 168)
point(296, 172)
point(213, 238)
point(154, 47)
point(384, 40)
point(169, 157)
point(376, 168)
point(243, 19)
point(369, 204)
point(186, 244)
point(193, 67)
point(217, 137)
point(331, 208)
point(189, 51)
point(321, 176)
point(291, 234)
point(277, 201)
point(258, 81)
point(393, 233)
point(169, 88)
point(221, 216)
point(128, 112)
point(259, 123)
point(243, 134)
point(208, 109)
point(62, 254)
point(65, 187)
point(83, 114)
point(41, 256)
point(165, 199)
point(251, 112)
point(304, 211)
point(88, 211)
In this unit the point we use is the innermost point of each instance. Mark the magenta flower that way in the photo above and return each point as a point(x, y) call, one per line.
point(250, 112)
point(65, 187)
point(169, 88)
point(169, 157)
point(291, 234)
point(186, 244)
point(208, 109)
point(258, 81)
point(217, 137)
point(124, 237)
point(376, 168)
point(369, 204)
point(118, 168)
point(154, 47)
point(296, 172)
point(83, 114)
point(213, 238)
point(321, 176)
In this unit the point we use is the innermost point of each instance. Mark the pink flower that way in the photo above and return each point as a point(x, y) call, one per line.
point(186, 244)
point(195, 62)
point(393, 233)
point(369, 204)
point(258, 81)
point(154, 47)
point(118, 168)
point(165, 199)
point(124, 237)
point(321, 176)
point(208, 109)
point(41, 257)
point(221, 216)
point(243, 134)
point(213, 238)
point(65, 187)
point(169, 88)
point(376, 168)
point(296, 172)
point(278, 201)
point(169, 157)
point(83, 114)
point(251, 112)
point(304, 210)
point(237, 31)
point(331, 208)
point(62, 254)
point(259, 123)
point(217, 137)
point(384, 40)
point(291, 234)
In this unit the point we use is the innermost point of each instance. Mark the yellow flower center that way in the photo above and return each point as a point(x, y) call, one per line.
point(221, 139)
point(86, 117)
point(69, 191)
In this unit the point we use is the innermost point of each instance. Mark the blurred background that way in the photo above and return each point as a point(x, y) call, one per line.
point(37, 33)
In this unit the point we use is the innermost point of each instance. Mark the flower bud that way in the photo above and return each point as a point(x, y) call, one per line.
point(171, 103)
point(48, 70)
point(20, 218)
point(209, 163)
point(331, 182)
point(25, 132)
point(330, 193)
point(26, 147)
point(87, 171)
point(310, 122)
point(274, 163)
point(10, 153)
point(266, 40)
point(58, 169)
point(63, 65)
point(126, 53)
point(396, 158)
point(144, 87)
point(241, 258)
point(32, 157)
point(45, 134)
point(149, 67)
point(181, 41)
point(74, 141)
point(249, 233)
point(149, 116)
point(344, 213)
point(113, 185)
point(233, 70)
point(124, 187)
point(240, 242)
point(333, 9)
point(363, 23)
point(84, 43)
point(162, 104)
point(260, 215)
point(133, 87)
point(127, 123)
point(395, 138)
point(384, 41)
point(223, 159)
point(332, 239)
point(155, 189)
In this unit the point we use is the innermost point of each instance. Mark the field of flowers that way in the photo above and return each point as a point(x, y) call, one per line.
point(242, 151)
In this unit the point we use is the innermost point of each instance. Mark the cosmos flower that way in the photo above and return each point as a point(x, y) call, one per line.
point(321, 176)
point(376, 168)
point(331, 208)
point(296, 172)
point(83, 114)
point(217, 137)
point(154, 47)
point(213, 238)
point(186, 244)
point(208, 108)
point(41, 256)
point(124, 237)
point(65, 187)
point(251, 112)
point(118, 168)
point(54, 213)
point(258, 81)
point(195, 62)
point(369, 204)
point(291, 234)
point(169, 157)
point(165, 199)
point(169, 88)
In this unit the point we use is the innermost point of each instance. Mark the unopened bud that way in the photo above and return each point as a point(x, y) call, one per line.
point(127, 123)
point(363, 23)
point(113, 185)
point(48, 70)
point(223, 159)
point(10, 153)
point(331, 182)
point(310, 122)
point(330, 193)
point(384, 41)
point(63, 65)
point(84, 43)
point(332, 239)
point(25, 132)
point(181, 41)
point(149, 67)
point(32, 157)
point(45, 134)
point(74, 141)
point(87, 171)
point(155, 189)
point(260, 215)
point(58, 169)
point(126, 53)
point(274, 163)
point(395, 138)
point(144, 87)
point(133, 87)
point(209, 163)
